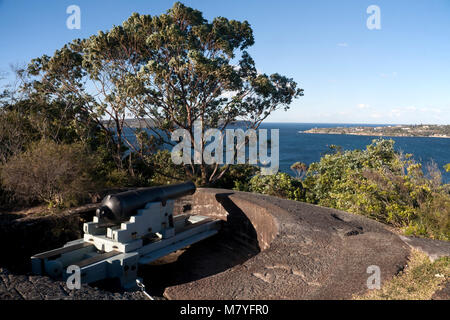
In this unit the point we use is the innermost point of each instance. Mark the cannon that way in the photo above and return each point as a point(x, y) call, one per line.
point(121, 206)
point(129, 229)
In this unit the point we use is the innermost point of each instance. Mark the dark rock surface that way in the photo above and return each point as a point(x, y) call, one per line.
point(268, 248)
point(306, 251)
point(25, 287)
point(434, 249)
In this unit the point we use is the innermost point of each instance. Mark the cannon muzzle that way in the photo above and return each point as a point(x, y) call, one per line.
point(121, 206)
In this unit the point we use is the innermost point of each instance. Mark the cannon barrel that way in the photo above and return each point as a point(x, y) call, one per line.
point(121, 206)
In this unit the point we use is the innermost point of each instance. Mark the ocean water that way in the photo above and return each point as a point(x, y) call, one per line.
point(307, 147)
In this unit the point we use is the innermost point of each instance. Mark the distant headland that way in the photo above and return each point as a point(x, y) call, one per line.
point(434, 131)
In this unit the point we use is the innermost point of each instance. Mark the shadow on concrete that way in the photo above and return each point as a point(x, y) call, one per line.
point(235, 243)
point(22, 237)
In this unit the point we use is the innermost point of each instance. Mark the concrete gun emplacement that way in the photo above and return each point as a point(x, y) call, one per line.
point(129, 229)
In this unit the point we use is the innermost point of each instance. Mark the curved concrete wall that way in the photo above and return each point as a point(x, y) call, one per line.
point(306, 251)
point(249, 221)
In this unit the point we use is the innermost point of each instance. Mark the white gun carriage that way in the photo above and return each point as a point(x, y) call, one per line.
point(129, 229)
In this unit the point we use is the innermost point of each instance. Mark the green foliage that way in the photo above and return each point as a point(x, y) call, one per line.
point(58, 120)
point(6, 197)
point(280, 185)
point(172, 69)
point(236, 177)
point(57, 174)
point(119, 178)
point(418, 281)
point(30, 120)
point(164, 171)
point(324, 178)
point(16, 132)
point(376, 182)
point(381, 184)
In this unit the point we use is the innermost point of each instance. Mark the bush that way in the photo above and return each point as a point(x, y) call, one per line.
point(447, 167)
point(236, 177)
point(6, 198)
point(57, 174)
point(433, 218)
point(16, 133)
point(281, 185)
point(163, 170)
point(384, 185)
point(106, 173)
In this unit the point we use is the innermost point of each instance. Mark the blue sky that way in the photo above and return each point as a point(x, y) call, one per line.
point(350, 74)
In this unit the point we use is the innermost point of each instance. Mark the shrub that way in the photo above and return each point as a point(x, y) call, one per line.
point(384, 185)
point(237, 177)
point(418, 281)
point(281, 185)
point(57, 174)
point(119, 178)
point(433, 217)
point(163, 170)
point(6, 198)
point(16, 133)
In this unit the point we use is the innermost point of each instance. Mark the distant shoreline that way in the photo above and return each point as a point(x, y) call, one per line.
point(418, 131)
point(374, 135)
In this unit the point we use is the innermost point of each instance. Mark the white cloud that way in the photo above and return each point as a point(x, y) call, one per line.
point(375, 115)
point(342, 44)
point(431, 110)
point(395, 113)
point(363, 106)
point(411, 110)
point(389, 75)
point(435, 110)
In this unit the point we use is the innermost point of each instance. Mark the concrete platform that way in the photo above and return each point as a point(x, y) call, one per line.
point(434, 249)
point(269, 248)
point(305, 251)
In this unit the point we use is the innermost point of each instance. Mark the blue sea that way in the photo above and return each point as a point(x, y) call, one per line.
point(307, 147)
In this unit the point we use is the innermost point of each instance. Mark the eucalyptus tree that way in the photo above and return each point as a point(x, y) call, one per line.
point(167, 71)
point(86, 74)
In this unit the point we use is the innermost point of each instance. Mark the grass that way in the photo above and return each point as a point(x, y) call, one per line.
point(419, 281)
